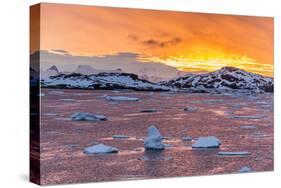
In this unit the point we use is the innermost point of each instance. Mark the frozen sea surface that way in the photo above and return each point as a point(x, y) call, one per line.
point(216, 115)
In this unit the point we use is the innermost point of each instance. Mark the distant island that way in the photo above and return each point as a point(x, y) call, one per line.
point(226, 79)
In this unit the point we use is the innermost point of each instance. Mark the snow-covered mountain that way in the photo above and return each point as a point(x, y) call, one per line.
point(226, 78)
point(101, 81)
point(88, 70)
point(52, 71)
point(54, 68)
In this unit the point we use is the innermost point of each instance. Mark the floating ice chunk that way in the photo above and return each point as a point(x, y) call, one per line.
point(41, 94)
point(120, 136)
point(100, 148)
point(259, 135)
point(211, 101)
point(56, 92)
point(121, 98)
point(248, 117)
point(190, 109)
point(186, 138)
point(237, 106)
point(231, 153)
point(78, 130)
point(83, 116)
point(160, 158)
point(148, 111)
point(248, 127)
point(245, 169)
point(72, 146)
point(116, 91)
point(207, 142)
point(154, 139)
point(50, 114)
point(68, 100)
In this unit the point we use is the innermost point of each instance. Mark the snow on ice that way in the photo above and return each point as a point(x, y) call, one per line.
point(231, 153)
point(84, 116)
point(100, 148)
point(245, 169)
point(153, 140)
point(121, 98)
point(207, 142)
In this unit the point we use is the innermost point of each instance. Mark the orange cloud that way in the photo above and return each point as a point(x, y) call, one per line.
point(162, 35)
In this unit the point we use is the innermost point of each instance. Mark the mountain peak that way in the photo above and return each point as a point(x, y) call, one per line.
point(230, 69)
point(102, 80)
point(54, 68)
point(224, 78)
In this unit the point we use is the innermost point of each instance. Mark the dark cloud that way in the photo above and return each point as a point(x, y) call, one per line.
point(162, 44)
point(133, 37)
point(156, 42)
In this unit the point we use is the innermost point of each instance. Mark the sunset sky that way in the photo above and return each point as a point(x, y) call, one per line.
point(191, 42)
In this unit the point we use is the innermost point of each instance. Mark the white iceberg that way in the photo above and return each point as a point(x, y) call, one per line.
point(121, 98)
point(231, 153)
point(245, 169)
point(153, 140)
point(100, 148)
point(207, 142)
point(84, 116)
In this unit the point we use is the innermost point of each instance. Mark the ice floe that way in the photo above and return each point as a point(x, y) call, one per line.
point(50, 114)
point(153, 140)
point(41, 94)
point(68, 100)
point(120, 136)
point(148, 111)
point(56, 92)
point(116, 91)
point(245, 169)
point(121, 98)
point(78, 130)
point(248, 127)
point(84, 116)
point(259, 135)
point(186, 138)
point(207, 142)
point(190, 109)
point(72, 146)
point(100, 148)
point(160, 158)
point(248, 117)
point(233, 153)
